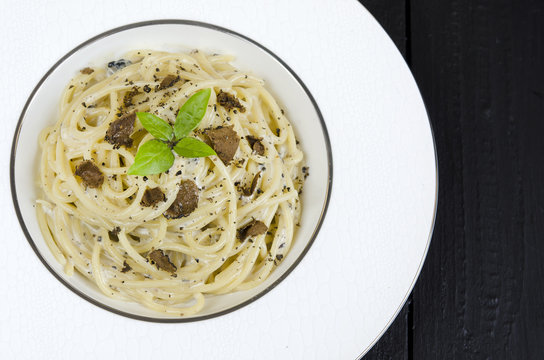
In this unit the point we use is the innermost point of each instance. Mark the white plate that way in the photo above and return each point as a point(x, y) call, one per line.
point(364, 262)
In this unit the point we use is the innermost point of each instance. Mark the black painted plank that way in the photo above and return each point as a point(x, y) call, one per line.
point(393, 345)
point(391, 14)
point(479, 65)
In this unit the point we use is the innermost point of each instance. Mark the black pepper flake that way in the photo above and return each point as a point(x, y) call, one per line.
point(147, 88)
point(279, 257)
point(306, 171)
point(178, 173)
point(129, 95)
point(118, 64)
point(277, 132)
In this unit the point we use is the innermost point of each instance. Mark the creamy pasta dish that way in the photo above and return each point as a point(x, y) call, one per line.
point(169, 177)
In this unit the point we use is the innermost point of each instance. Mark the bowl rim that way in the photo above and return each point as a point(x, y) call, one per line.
point(171, 22)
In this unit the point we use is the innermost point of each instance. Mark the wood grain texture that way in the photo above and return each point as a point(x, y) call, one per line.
point(394, 344)
point(479, 67)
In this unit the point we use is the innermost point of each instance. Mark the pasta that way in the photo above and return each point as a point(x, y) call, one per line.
point(118, 234)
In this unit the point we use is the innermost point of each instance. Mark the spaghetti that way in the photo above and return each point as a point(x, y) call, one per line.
point(247, 207)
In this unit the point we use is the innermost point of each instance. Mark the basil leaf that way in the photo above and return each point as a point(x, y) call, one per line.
point(153, 157)
point(192, 148)
point(191, 113)
point(156, 126)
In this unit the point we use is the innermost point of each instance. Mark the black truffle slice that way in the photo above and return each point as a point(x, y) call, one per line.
point(229, 101)
point(254, 228)
point(186, 201)
point(162, 261)
point(119, 132)
point(256, 144)
point(249, 190)
point(168, 81)
point(224, 141)
point(152, 196)
point(114, 234)
point(126, 267)
point(90, 174)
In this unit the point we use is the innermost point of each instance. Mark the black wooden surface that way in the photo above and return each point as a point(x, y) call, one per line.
point(480, 67)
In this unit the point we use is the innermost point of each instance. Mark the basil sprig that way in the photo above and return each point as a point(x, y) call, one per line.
point(191, 113)
point(155, 156)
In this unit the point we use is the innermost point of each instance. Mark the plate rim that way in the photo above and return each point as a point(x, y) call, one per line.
point(435, 205)
point(195, 23)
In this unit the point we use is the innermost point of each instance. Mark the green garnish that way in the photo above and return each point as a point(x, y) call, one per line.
point(191, 113)
point(155, 156)
point(191, 147)
point(156, 126)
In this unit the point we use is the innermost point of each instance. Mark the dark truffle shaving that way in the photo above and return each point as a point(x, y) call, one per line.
point(152, 197)
point(126, 267)
point(229, 101)
point(90, 174)
point(224, 141)
point(249, 190)
point(256, 144)
point(186, 201)
point(119, 132)
point(162, 261)
point(168, 81)
point(254, 228)
point(114, 234)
